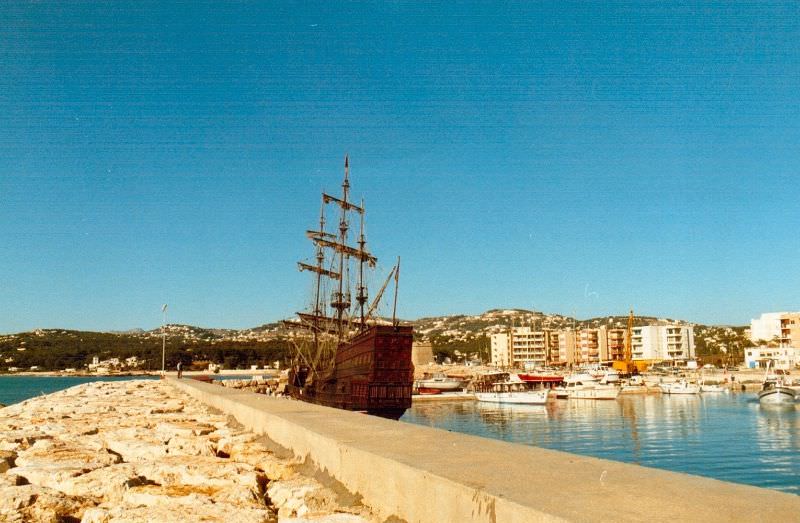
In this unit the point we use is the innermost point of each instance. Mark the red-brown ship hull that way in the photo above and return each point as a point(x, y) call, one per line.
point(372, 373)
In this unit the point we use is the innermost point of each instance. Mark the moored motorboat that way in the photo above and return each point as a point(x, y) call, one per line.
point(680, 386)
point(712, 386)
point(440, 382)
point(633, 385)
point(585, 386)
point(775, 392)
point(509, 389)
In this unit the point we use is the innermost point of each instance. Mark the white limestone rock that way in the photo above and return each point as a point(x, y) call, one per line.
point(190, 446)
point(109, 483)
point(7, 459)
point(96, 515)
point(204, 471)
point(134, 444)
point(300, 497)
point(338, 517)
point(169, 407)
point(35, 503)
point(164, 513)
point(186, 429)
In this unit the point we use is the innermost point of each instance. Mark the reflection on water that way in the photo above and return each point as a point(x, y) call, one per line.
point(724, 436)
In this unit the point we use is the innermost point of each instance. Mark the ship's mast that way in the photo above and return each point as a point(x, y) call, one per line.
point(341, 302)
point(339, 269)
point(362, 289)
point(319, 272)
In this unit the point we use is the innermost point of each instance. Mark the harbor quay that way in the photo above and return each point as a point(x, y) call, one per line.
point(421, 474)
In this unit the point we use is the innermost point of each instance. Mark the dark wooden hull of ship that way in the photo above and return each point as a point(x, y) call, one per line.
point(372, 373)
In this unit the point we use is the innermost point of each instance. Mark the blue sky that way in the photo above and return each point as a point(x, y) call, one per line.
point(577, 158)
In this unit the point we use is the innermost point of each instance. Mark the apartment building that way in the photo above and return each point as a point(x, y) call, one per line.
point(790, 329)
point(591, 345)
point(524, 346)
point(616, 344)
point(766, 327)
point(670, 342)
point(529, 347)
point(562, 347)
point(501, 350)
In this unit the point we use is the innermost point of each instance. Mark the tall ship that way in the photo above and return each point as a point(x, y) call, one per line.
point(347, 356)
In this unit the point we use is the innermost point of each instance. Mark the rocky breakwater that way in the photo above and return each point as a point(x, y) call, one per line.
point(141, 451)
point(257, 384)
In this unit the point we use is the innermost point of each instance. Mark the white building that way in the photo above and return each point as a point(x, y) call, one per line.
point(663, 342)
point(767, 327)
point(501, 354)
point(781, 357)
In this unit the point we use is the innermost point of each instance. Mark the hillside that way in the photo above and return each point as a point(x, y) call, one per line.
point(457, 336)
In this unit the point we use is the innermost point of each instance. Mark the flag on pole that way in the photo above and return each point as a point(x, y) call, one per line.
point(164, 308)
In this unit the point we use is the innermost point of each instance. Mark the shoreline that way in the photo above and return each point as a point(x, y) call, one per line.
point(62, 374)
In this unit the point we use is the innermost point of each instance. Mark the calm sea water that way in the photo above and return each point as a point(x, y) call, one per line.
point(14, 389)
point(724, 436)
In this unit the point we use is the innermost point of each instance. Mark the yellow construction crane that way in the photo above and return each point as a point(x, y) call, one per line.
point(626, 364)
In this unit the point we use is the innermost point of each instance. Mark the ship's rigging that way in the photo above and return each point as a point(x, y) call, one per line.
point(334, 316)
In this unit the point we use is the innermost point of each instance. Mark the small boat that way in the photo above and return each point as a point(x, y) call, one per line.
point(712, 387)
point(774, 391)
point(584, 386)
point(546, 379)
point(426, 391)
point(509, 389)
point(680, 387)
point(610, 376)
point(440, 382)
point(633, 385)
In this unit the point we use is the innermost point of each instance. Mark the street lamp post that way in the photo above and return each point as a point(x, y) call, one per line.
point(163, 340)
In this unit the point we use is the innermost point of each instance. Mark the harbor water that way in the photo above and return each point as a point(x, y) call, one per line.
point(726, 436)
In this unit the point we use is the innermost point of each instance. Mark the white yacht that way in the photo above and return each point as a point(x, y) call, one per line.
point(511, 389)
point(439, 381)
point(585, 386)
point(680, 386)
point(633, 385)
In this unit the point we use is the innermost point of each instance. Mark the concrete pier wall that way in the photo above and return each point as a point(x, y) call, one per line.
point(421, 474)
